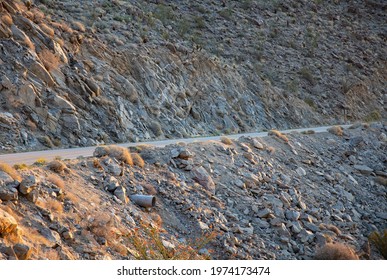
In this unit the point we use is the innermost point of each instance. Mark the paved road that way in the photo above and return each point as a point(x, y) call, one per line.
point(31, 157)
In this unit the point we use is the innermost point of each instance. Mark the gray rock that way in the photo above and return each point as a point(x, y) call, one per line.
point(8, 193)
point(28, 184)
point(258, 144)
point(305, 236)
point(264, 213)
point(301, 171)
point(120, 193)
point(111, 183)
point(203, 178)
point(296, 227)
point(292, 215)
point(321, 240)
point(112, 167)
point(363, 169)
point(22, 251)
point(52, 236)
point(203, 226)
point(283, 231)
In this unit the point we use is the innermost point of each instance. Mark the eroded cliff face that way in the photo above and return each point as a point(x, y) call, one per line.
point(116, 71)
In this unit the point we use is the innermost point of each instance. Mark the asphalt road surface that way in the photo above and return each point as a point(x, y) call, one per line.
point(73, 153)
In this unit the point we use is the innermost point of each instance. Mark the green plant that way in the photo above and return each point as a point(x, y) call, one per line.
point(20, 166)
point(380, 241)
point(226, 140)
point(117, 152)
point(40, 161)
point(164, 13)
point(373, 116)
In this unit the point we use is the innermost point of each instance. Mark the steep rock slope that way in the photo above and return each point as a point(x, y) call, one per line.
point(112, 71)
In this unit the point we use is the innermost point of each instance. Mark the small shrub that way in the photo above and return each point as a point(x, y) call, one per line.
point(79, 26)
point(226, 140)
point(380, 242)
point(373, 116)
point(279, 135)
point(307, 75)
point(54, 205)
point(10, 171)
point(155, 127)
point(335, 251)
point(271, 149)
point(56, 180)
point(137, 160)
point(119, 153)
point(40, 162)
point(46, 29)
point(7, 19)
point(336, 130)
point(20, 166)
point(57, 166)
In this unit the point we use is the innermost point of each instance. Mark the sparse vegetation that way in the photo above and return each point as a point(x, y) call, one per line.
point(306, 74)
point(336, 130)
point(56, 180)
point(279, 135)
point(335, 251)
point(373, 116)
point(226, 140)
point(20, 166)
point(56, 166)
point(155, 127)
point(137, 160)
point(379, 239)
point(54, 205)
point(117, 152)
point(40, 162)
point(149, 245)
point(10, 171)
point(7, 19)
point(50, 62)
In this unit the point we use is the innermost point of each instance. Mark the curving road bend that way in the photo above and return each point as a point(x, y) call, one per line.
point(73, 153)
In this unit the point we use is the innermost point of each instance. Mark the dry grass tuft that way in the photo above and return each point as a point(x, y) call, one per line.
point(97, 163)
point(335, 251)
point(56, 180)
point(10, 171)
point(57, 166)
point(119, 153)
point(20, 166)
point(226, 140)
point(380, 242)
point(336, 130)
point(54, 206)
point(279, 135)
point(49, 59)
point(46, 29)
point(137, 160)
point(7, 19)
point(79, 26)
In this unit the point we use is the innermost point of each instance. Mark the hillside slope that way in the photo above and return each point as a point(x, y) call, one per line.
point(76, 74)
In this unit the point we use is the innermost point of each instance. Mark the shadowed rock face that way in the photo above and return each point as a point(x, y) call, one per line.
point(129, 70)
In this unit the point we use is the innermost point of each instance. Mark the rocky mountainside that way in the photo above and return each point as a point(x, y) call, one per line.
point(76, 73)
point(278, 197)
